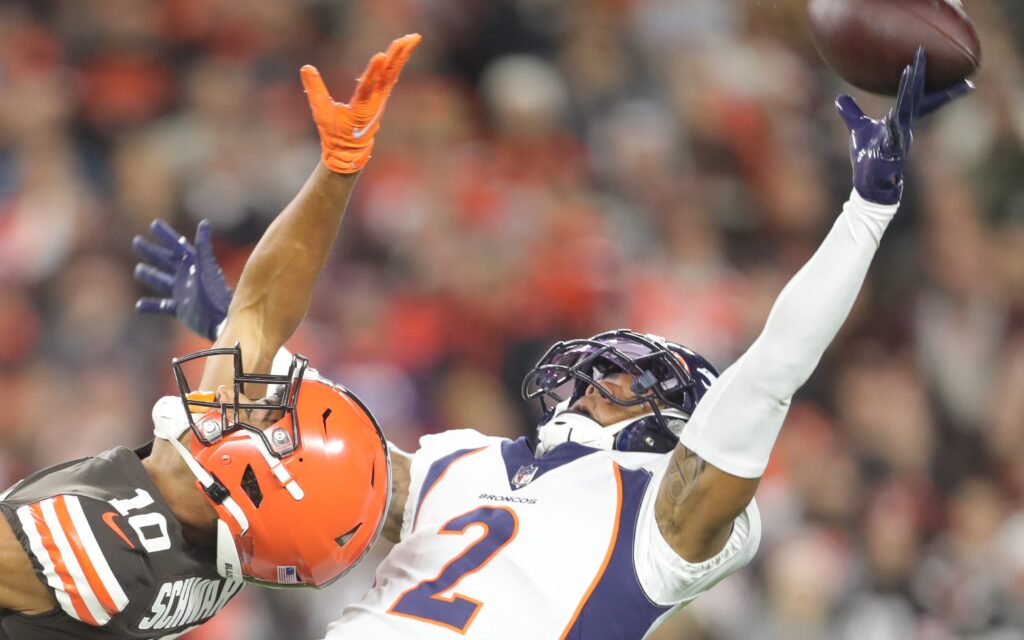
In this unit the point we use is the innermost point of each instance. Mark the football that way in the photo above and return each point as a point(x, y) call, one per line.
point(869, 42)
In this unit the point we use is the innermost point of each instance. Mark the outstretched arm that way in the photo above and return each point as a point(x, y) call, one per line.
point(724, 448)
point(276, 285)
point(277, 282)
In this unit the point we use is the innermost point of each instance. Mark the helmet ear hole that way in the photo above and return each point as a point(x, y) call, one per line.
point(251, 486)
point(343, 539)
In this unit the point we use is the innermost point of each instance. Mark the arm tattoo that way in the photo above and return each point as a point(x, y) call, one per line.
point(697, 505)
point(683, 475)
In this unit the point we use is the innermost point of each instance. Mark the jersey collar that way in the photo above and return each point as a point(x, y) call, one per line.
point(523, 467)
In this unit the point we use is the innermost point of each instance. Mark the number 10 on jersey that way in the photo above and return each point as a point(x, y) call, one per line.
point(151, 528)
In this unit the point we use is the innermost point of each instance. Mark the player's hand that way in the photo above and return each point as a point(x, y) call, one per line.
point(878, 148)
point(347, 130)
point(189, 278)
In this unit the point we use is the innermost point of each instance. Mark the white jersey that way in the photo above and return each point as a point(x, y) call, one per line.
point(497, 543)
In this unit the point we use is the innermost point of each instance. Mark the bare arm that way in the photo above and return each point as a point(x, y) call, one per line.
point(401, 464)
point(697, 504)
point(274, 291)
point(277, 282)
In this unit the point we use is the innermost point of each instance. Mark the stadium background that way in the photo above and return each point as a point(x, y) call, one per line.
point(546, 169)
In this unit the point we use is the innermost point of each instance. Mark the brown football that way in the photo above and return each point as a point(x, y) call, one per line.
point(868, 42)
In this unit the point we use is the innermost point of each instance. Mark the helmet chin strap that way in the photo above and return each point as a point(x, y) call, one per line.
point(567, 426)
point(279, 470)
point(170, 423)
point(572, 427)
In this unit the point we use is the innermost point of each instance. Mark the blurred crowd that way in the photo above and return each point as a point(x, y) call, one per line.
point(547, 169)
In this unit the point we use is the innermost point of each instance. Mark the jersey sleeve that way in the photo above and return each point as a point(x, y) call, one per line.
point(435, 450)
point(63, 536)
point(667, 578)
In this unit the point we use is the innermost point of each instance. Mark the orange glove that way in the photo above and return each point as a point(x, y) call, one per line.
point(347, 130)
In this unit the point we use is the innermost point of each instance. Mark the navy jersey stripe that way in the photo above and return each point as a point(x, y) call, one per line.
point(618, 607)
point(518, 455)
point(434, 473)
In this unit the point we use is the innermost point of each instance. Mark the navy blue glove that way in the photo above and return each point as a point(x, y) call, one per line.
point(878, 148)
point(190, 276)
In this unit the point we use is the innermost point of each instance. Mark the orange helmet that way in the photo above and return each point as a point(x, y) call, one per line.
point(300, 480)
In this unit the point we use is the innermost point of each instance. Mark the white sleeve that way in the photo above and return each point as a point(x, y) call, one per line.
point(433, 447)
point(667, 578)
point(735, 425)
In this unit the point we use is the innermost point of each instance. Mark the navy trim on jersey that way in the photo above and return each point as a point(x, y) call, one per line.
point(517, 454)
point(618, 607)
point(434, 473)
point(425, 602)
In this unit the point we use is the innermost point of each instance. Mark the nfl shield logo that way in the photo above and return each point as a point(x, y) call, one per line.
point(524, 475)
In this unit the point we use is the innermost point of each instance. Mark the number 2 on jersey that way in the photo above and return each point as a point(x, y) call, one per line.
point(425, 602)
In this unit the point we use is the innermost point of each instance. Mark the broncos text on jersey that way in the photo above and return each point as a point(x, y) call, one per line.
point(492, 532)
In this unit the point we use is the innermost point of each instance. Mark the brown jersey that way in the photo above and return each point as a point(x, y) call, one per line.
point(107, 545)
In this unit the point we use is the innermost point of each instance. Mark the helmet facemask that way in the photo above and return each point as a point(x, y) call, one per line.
point(662, 381)
point(272, 418)
point(292, 513)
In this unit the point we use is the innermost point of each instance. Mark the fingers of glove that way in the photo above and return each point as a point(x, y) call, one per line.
point(917, 78)
point(920, 66)
point(391, 56)
point(154, 279)
point(320, 100)
point(369, 82)
point(204, 240)
point(903, 111)
point(850, 112)
point(205, 258)
point(161, 258)
point(166, 306)
point(894, 138)
point(166, 235)
point(900, 114)
point(398, 55)
point(932, 101)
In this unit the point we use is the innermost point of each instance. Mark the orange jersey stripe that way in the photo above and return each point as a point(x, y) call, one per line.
point(95, 582)
point(61, 569)
point(607, 555)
